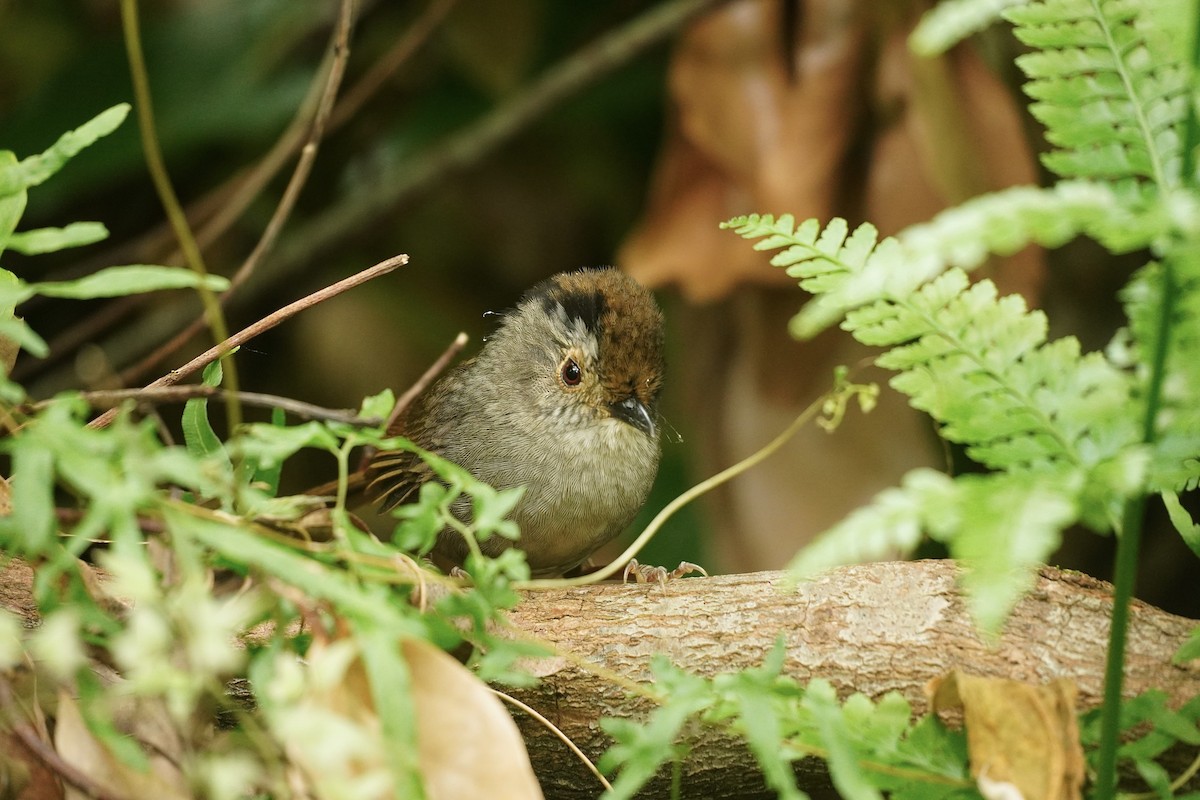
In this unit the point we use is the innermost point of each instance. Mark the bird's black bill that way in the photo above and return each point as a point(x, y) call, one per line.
point(634, 412)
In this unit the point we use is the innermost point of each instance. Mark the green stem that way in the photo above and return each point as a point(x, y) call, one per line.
point(1128, 544)
point(170, 202)
point(1191, 129)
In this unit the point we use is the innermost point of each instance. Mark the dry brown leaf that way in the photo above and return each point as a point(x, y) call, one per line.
point(1018, 735)
point(77, 746)
point(470, 746)
point(843, 121)
point(748, 136)
point(23, 775)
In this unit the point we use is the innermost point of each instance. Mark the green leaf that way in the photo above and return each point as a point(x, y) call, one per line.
point(133, 279)
point(848, 778)
point(262, 474)
point(198, 435)
point(316, 580)
point(31, 524)
point(757, 694)
point(951, 21)
point(1182, 520)
point(640, 750)
point(420, 522)
point(270, 445)
point(1005, 526)
point(378, 406)
point(15, 328)
point(891, 523)
point(100, 723)
point(49, 240)
point(36, 169)
point(1189, 650)
point(1109, 87)
point(491, 507)
point(12, 205)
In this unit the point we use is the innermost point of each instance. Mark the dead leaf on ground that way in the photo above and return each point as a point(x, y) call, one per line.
point(470, 746)
point(81, 749)
point(23, 775)
point(1018, 735)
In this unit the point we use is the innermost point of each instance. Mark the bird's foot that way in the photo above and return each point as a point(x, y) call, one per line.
point(647, 573)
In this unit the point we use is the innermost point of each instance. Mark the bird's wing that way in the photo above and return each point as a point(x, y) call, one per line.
point(395, 477)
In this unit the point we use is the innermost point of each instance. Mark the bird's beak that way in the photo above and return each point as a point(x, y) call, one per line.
point(634, 412)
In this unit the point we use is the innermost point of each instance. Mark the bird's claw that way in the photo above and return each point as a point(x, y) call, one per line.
point(647, 573)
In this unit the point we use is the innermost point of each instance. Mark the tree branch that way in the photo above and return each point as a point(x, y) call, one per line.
point(872, 628)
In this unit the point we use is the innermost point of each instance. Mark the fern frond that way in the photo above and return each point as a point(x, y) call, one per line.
point(998, 526)
point(1108, 86)
point(951, 21)
point(848, 271)
point(979, 364)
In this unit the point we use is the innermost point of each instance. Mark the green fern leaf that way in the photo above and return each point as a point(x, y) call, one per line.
point(846, 272)
point(1108, 85)
point(951, 21)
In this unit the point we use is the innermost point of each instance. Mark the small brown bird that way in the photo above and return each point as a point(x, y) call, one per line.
point(562, 400)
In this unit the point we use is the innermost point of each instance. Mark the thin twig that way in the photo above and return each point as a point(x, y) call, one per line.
point(108, 398)
point(411, 176)
point(43, 751)
point(157, 167)
point(554, 729)
point(416, 390)
point(384, 67)
point(263, 325)
point(339, 49)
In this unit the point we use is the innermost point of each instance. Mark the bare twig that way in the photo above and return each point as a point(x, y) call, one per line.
point(411, 176)
point(108, 398)
point(265, 324)
point(416, 390)
point(396, 56)
point(43, 751)
point(339, 48)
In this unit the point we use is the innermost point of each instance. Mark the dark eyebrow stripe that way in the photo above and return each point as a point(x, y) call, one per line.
point(587, 307)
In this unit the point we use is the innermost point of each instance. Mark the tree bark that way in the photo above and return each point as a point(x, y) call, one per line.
point(872, 628)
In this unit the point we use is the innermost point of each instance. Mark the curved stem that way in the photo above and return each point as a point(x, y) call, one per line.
point(166, 194)
point(727, 474)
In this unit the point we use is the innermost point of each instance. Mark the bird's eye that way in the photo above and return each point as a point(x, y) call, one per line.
point(571, 373)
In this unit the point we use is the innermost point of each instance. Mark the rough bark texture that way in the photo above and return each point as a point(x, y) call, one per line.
point(871, 628)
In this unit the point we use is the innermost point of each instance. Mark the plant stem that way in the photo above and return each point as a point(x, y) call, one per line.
point(1128, 544)
point(170, 202)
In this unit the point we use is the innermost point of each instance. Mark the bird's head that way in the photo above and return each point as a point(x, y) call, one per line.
point(586, 348)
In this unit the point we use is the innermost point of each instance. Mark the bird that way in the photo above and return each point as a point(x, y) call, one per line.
point(562, 399)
